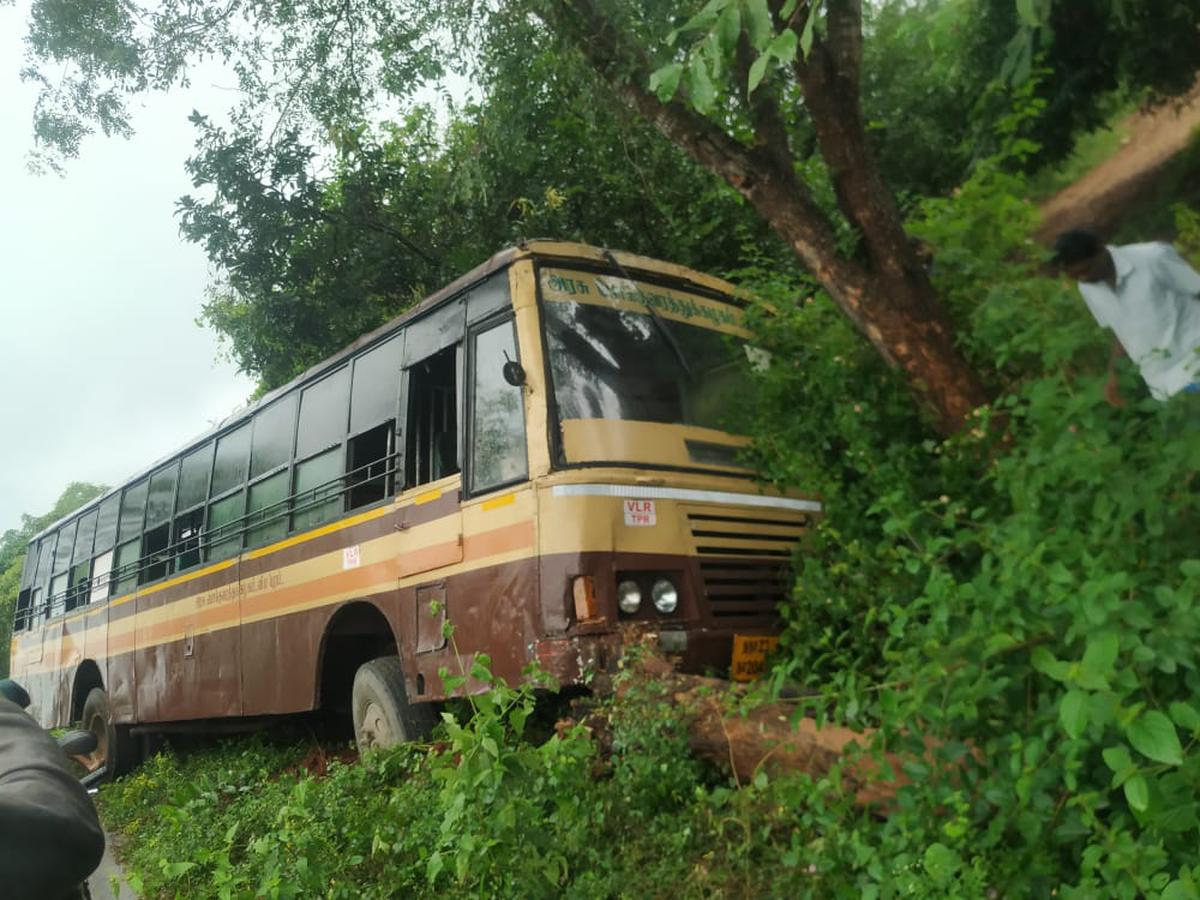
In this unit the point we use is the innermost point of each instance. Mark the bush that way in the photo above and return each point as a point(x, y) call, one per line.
point(1019, 598)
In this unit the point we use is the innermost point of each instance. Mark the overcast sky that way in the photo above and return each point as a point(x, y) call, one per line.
point(102, 366)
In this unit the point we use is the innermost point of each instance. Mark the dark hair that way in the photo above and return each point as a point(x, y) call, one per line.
point(1075, 246)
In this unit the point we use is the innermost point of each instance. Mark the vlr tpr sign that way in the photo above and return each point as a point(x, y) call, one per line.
point(640, 512)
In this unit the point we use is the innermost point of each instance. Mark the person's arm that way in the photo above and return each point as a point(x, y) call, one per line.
point(1175, 272)
point(50, 836)
point(1112, 387)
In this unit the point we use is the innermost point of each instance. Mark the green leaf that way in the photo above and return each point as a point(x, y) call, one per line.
point(1118, 760)
point(1028, 14)
point(1073, 713)
point(1185, 716)
point(1043, 660)
point(702, 20)
point(1177, 819)
point(806, 37)
point(1153, 734)
point(941, 862)
point(1101, 653)
point(757, 70)
point(758, 23)
point(783, 46)
point(1179, 890)
point(729, 26)
point(700, 86)
point(1137, 794)
point(788, 9)
point(665, 81)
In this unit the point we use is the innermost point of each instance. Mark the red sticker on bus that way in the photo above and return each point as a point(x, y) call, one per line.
point(640, 512)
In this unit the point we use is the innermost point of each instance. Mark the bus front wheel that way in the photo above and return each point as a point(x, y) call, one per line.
point(379, 705)
point(115, 748)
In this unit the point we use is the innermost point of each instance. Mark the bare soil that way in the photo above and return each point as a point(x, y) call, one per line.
point(1102, 198)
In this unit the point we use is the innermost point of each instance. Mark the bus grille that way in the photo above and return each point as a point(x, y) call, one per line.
point(744, 560)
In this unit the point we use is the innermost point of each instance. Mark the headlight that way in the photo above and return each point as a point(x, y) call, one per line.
point(665, 597)
point(629, 597)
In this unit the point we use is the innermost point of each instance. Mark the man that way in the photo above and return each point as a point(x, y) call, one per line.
point(1150, 298)
point(50, 837)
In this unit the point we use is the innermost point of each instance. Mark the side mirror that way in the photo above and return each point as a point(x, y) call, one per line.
point(514, 373)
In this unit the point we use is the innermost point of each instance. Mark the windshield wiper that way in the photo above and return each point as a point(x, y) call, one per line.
point(656, 319)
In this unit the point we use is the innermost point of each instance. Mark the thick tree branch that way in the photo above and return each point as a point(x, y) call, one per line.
point(761, 174)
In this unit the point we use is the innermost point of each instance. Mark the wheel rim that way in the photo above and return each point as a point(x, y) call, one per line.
point(375, 730)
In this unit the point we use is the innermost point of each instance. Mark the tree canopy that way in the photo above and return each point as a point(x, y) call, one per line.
point(325, 195)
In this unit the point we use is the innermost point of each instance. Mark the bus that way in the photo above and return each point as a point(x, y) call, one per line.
point(528, 463)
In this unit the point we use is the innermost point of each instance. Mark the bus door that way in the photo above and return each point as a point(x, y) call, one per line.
point(430, 438)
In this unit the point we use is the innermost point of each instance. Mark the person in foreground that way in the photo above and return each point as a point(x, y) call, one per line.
point(1150, 298)
point(50, 836)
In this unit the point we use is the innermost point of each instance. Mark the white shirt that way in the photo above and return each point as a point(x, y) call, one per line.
point(1154, 312)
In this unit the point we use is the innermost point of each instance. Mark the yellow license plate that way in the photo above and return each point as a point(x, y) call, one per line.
point(750, 653)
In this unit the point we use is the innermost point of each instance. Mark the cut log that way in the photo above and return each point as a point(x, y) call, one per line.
point(743, 742)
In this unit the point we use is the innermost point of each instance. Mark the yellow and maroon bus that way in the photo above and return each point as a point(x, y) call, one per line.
point(538, 454)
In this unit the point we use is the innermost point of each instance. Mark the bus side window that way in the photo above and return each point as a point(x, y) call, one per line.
point(129, 534)
point(21, 621)
point(369, 466)
point(156, 543)
point(35, 605)
point(60, 580)
point(81, 560)
point(106, 538)
point(39, 607)
point(194, 472)
point(320, 451)
point(431, 451)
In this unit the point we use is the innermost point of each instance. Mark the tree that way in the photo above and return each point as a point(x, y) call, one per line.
point(760, 83)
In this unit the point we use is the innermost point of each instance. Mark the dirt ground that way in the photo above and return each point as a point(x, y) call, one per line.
point(1101, 198)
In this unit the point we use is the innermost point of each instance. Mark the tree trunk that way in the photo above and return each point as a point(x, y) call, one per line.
point(887, 296)
point(742, 743)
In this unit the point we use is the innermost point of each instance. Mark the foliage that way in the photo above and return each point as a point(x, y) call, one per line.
point(310, 263)
point(1019, 599)
point(485, 811)
point(12, 553)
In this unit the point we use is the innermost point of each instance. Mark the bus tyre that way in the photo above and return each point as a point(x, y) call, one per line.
point(380, 708)
point(115, 748)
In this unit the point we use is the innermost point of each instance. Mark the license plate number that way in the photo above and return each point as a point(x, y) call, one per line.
point(750, 653)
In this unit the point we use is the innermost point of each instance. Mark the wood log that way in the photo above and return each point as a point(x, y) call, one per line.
point(744, 741)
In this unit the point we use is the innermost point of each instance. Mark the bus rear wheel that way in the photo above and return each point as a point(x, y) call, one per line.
point(379, 705)
point(115, 747)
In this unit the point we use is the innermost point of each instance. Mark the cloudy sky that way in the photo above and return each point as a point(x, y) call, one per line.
point(102, 366)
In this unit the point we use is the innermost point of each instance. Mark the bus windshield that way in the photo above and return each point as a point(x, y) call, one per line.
point(631, 352)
